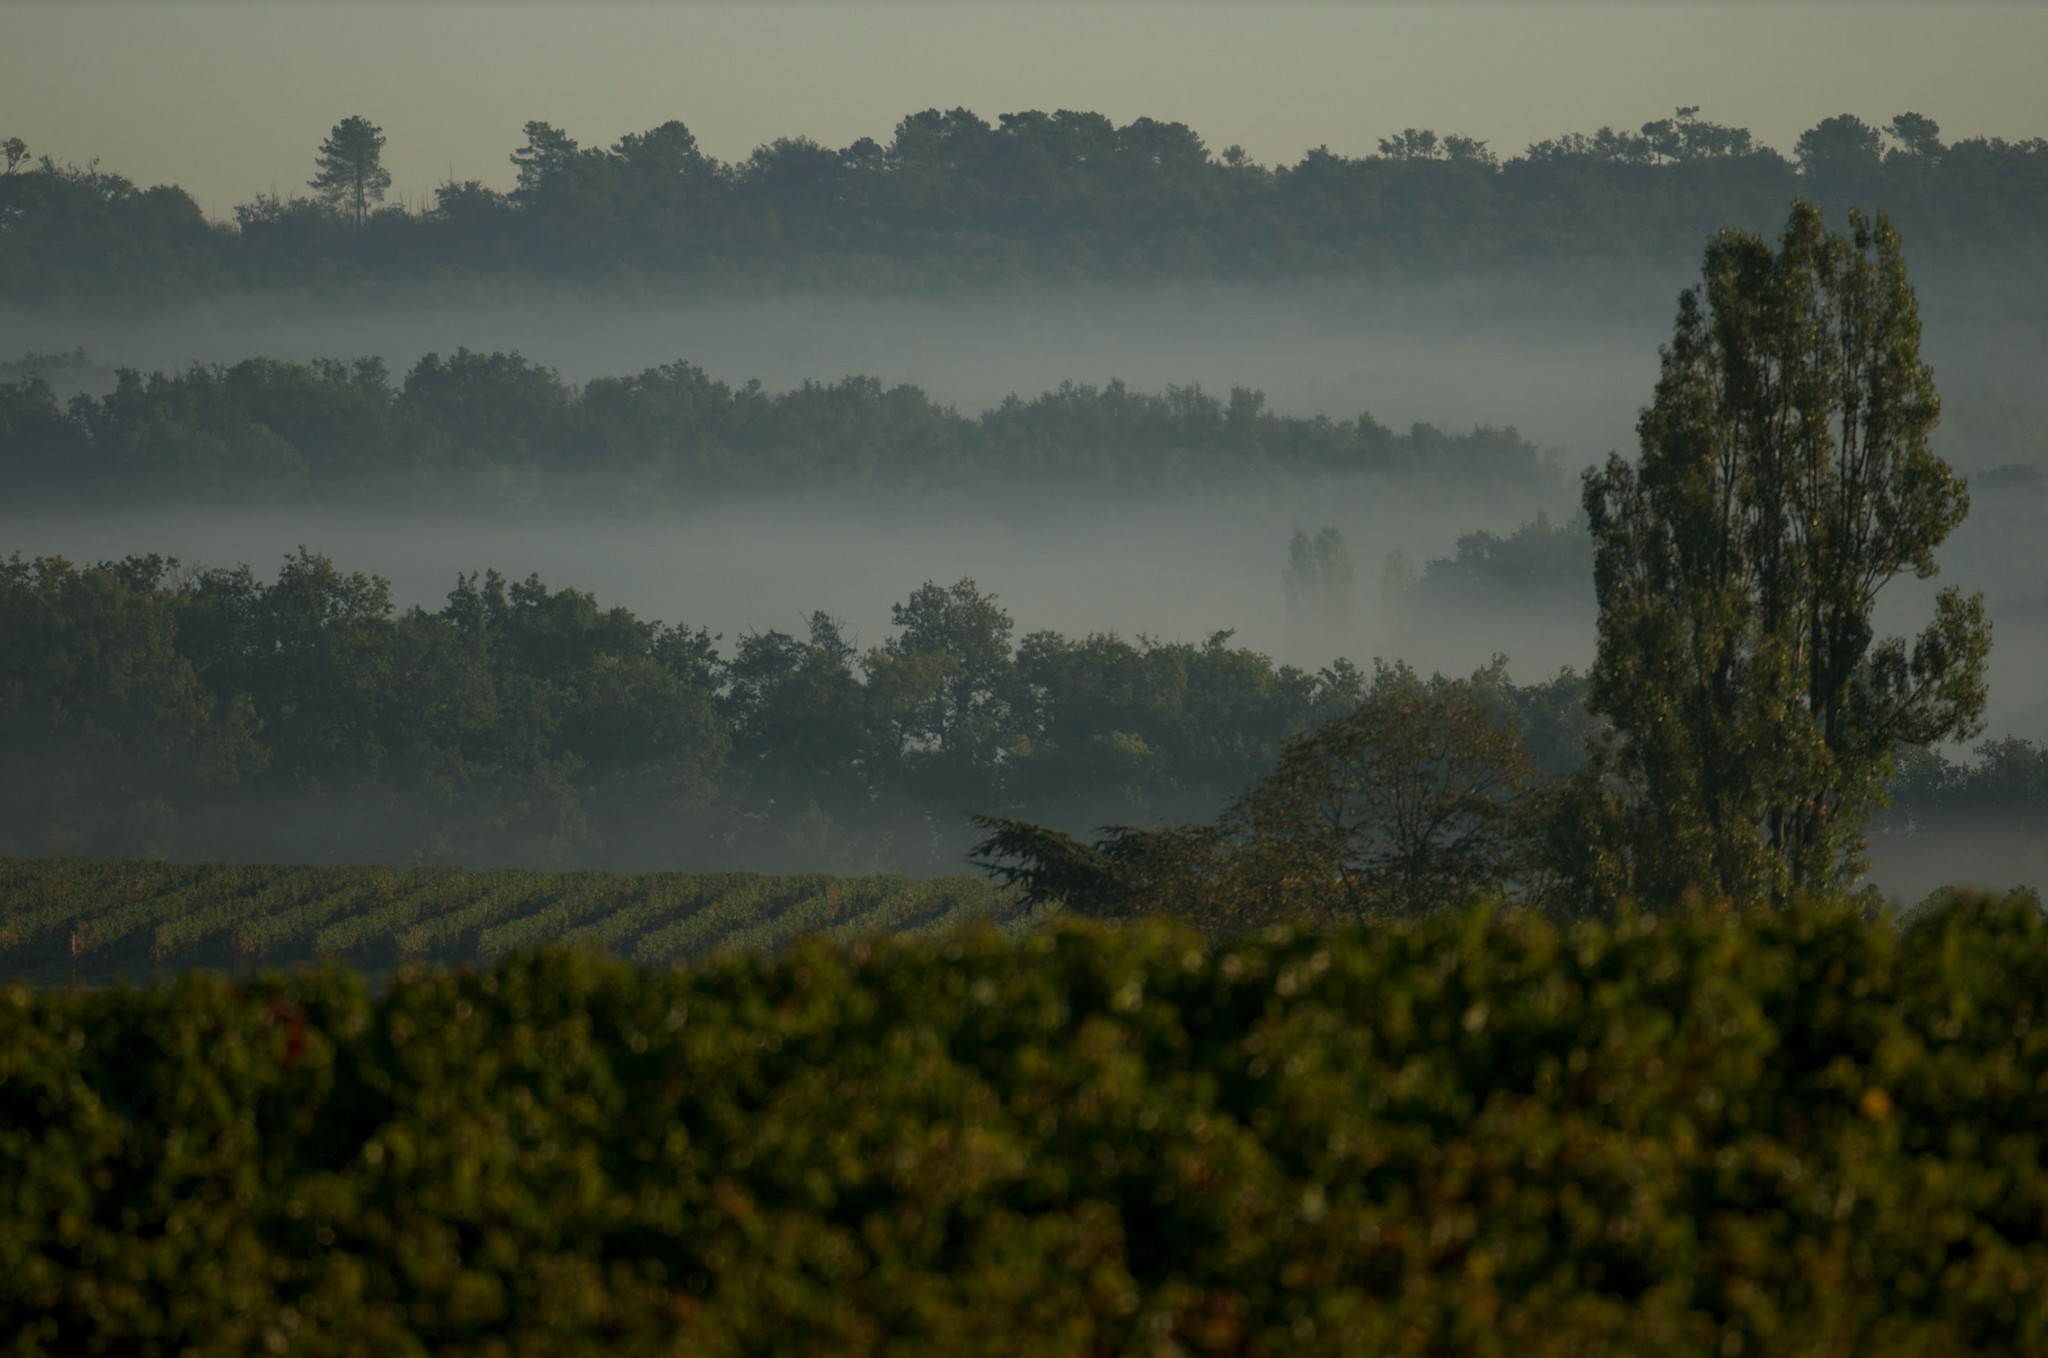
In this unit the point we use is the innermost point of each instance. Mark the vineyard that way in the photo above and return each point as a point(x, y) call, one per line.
point(1706, 1134)
point(89, 921)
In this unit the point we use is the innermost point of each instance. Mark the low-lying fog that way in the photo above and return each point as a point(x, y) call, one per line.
point(1175, 568)
point(1567, 361)
point(1567, 358)
point(1172, 568)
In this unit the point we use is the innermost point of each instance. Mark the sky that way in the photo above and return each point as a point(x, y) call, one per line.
point(230, 99)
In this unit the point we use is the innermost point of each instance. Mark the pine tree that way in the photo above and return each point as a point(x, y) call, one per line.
point(351, 166)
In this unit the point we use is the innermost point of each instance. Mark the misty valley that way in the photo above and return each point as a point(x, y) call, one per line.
point(1135, 567)
point(1030, 739)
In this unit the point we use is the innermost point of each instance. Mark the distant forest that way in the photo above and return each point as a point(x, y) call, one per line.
point(149, 710)
point(953, 198)
point(266, 429)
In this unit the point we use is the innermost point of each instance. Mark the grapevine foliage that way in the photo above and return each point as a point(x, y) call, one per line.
point(1479, 1134)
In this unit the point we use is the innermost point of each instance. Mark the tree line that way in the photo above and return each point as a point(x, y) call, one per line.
point(147, 709)
point(953, 197)
point(266, 428)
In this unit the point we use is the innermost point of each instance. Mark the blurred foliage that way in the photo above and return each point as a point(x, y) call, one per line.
point(1705, 1133)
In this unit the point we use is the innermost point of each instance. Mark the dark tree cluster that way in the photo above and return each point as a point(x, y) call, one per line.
point(147, 709)
point(953, 197)
point(1420, 796)
point(265, 428)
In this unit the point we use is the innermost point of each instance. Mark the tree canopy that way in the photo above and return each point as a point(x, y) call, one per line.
point(1785, 479)
point(350, 167)
point(1418, 796)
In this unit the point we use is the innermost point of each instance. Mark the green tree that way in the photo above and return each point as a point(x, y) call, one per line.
point(802, 731)
point(1418, 797)
point(1464, 150)
point(1841, 145)
point(1785, 478)
point(965, 711)
point(1412, 144)
point(106, 731)
point(1683, 137)
point(15, 150)
point(311, 652)
point(351, 166)
point(1414, 801)
point(1917, 134)
point(547, 150)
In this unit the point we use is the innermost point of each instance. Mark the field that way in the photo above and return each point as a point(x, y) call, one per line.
point(86, 921)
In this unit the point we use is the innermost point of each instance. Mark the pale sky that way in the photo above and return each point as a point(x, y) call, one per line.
point(230, 99)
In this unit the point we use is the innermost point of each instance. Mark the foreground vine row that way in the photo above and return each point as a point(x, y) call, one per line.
point(1708, 1134)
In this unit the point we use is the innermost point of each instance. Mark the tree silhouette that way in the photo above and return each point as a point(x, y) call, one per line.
point(351, 166)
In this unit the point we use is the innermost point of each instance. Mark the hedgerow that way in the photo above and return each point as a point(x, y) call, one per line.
point(1480, 1134)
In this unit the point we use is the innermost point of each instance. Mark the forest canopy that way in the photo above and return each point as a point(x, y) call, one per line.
point(955, 198)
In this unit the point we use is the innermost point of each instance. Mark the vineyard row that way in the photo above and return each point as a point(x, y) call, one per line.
point(90, 921)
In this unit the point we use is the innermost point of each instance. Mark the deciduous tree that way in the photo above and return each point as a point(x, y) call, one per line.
point(1417, 798)
point(1413, 801)
point(1785, 479)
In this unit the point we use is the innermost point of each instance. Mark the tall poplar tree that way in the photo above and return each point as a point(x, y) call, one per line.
point(1785, 478)
point(351, 166)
